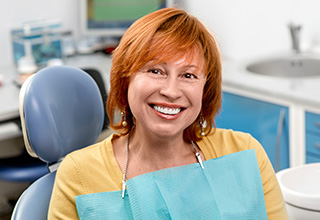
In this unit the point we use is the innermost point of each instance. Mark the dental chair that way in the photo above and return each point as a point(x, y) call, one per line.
point(61, 111)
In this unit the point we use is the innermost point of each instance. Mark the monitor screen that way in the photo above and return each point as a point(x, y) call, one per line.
point(113, 17)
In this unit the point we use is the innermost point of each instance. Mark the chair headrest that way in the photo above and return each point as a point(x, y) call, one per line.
point(61, 110)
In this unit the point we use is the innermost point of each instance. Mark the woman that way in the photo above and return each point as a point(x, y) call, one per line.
point(167, 162)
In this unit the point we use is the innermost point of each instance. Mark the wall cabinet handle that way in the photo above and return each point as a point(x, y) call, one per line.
point(317, 124)
point(278, 140)
point(316, 145)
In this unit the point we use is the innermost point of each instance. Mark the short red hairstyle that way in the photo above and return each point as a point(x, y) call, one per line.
point(165, 34)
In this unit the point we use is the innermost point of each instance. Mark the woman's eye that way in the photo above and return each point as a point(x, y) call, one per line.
point(190, 76)
point(155, 71)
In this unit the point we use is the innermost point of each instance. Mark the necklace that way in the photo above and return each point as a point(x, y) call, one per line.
point(124, 181)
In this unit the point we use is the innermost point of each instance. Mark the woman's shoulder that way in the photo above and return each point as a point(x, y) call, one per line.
point(221, 142)
point(91, 150)
point(89, 164)
point(230, 137)
point(96, 153)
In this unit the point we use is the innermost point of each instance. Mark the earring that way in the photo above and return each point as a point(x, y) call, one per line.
point(124, 120)
point(203, 125)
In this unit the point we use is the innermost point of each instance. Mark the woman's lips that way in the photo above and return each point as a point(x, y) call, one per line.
point(167, 111)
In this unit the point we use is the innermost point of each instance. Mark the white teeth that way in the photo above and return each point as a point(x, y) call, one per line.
point(168, 111)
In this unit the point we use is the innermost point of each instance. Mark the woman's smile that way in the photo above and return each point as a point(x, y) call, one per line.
point(167, 110)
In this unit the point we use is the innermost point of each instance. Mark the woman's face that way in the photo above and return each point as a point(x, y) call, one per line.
point(165, 98)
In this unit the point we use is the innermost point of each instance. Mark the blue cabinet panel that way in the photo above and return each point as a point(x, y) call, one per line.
point(312, 137)
point(312, 159)
point(261, 120)
point(312, 123)
point(313, 145)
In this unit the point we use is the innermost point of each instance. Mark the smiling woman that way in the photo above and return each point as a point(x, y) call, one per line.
point(154, 39)
point(167, 161)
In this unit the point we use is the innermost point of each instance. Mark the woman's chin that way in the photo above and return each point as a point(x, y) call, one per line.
point(167, 132)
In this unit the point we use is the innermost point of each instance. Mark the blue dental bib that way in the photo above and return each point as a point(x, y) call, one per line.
point(228, 187)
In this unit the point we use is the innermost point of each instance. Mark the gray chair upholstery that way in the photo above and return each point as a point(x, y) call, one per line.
point(61, 111)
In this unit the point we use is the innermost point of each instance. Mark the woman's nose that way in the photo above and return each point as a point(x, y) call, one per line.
point(171, 88)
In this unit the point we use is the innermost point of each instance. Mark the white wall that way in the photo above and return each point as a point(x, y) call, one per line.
point(243, 28)
point(251, 28)
point(14, 12)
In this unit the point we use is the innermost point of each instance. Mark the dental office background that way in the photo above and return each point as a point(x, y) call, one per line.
point(244, 29)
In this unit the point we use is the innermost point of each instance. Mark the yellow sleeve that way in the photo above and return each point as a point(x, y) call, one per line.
point(273, 196)
point(62, 204)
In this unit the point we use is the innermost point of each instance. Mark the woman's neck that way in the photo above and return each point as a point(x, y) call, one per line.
point(154, 153)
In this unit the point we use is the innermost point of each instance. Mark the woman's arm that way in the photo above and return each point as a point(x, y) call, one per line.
point(273, 196)
point(67, 185)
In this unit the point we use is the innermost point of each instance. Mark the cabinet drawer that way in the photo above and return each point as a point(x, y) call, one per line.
point(313, 145)
point(313, 122)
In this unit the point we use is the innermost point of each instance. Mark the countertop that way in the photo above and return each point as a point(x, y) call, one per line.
point(298, 90)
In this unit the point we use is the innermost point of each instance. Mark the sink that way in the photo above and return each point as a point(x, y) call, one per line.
point(301, 185)
point(287, 66)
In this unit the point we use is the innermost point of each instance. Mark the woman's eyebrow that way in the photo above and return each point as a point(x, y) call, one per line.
point(152, 62)
point(191, 66)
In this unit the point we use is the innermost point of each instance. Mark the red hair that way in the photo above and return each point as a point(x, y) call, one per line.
point(165, 34)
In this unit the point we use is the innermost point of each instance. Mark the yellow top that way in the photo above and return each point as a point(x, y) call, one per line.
point(94, 169)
